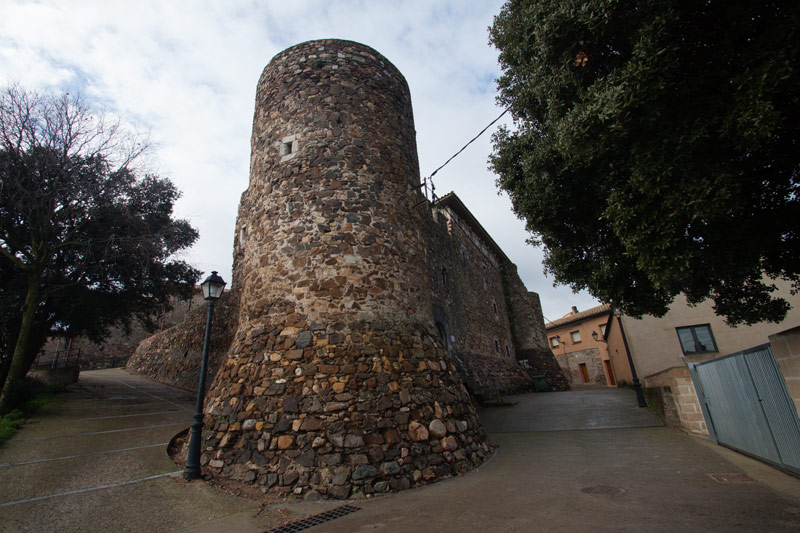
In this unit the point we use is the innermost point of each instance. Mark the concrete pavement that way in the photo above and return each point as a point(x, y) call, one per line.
point(95, 460)
point(585, 460)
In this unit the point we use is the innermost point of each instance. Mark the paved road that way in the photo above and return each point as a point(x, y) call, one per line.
point(95, 460)
point(586, 460)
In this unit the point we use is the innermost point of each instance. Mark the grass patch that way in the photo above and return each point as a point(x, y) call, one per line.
point(10, 423)
point(33, 397)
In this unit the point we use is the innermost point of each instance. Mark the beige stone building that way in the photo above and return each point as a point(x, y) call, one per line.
point(662, 349)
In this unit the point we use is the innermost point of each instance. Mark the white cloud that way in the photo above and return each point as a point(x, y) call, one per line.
point(187, 71)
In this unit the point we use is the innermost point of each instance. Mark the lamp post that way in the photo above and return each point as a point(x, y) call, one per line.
point(212, 290)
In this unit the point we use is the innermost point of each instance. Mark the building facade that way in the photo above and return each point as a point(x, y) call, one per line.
point(662, 348)
point(584, 359)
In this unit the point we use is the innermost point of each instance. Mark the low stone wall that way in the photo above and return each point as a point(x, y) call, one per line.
point(56, 376)
point(488, 377)
point(540, 362)
point(174, 355)
point(663, 401)
point(684, 397)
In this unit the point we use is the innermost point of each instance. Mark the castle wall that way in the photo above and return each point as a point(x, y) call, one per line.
point(469, 306)
point(336, 380)
point(173, 356)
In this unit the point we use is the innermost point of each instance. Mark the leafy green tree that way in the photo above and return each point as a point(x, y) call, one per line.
point(656, 148)
point(85, 242)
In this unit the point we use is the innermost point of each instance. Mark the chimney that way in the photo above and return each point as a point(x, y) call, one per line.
point(574, 310)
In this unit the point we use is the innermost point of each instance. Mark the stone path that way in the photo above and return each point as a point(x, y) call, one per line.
point(586, 460)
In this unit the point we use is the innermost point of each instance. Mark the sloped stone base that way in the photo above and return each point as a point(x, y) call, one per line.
point(359, 407)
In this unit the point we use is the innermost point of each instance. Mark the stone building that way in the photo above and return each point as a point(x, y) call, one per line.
point(584, 359)
point(359, 309)
point(487, 318)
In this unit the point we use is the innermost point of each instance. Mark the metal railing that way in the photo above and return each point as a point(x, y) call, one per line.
point(57, 359)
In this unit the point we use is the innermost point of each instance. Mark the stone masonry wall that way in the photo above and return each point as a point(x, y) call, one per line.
point(684, 397)
point(174, 355)
point(571, 365)
point(528, 331)
point(336, 379)
point(469, 307)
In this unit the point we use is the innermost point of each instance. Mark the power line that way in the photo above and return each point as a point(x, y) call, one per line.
point(462, 149)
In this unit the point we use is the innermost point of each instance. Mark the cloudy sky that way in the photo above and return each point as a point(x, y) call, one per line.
point(186, 71)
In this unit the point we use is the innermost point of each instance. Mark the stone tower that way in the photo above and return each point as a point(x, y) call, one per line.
point(336, 379)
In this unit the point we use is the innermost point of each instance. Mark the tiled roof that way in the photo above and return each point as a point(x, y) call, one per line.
point(594, 311)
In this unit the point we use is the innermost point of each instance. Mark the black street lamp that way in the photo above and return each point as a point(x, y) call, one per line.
point(212, 290)
point(636, 385)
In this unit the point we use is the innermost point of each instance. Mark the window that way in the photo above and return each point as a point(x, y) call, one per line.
point(576, 337)
point(464, 256)
point(444, 278)
point(495, 307)
point(696, 339)
point(485, 273)
point(554, 341)
point(603, 330)
point(496, 346)
point(289, 147)
point(508, 352)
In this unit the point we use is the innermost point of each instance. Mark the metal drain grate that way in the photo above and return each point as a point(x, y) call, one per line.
point(311, 521)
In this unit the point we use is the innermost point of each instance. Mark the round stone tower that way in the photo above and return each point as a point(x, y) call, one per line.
point(336, 380)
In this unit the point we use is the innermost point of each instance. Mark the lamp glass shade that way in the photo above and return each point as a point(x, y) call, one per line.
point(595, 335)
point(213, 286)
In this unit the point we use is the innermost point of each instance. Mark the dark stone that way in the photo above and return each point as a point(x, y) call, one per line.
point(390, 468)
point(313, 496)
point(304, 339)
point(340, 492)
point(376, 454)
point(290, 404)
point(290, 477)
point(364, 472)
point(284, 424)
point(307, 459)
point(331, 459)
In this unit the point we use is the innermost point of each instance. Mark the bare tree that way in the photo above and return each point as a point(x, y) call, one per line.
point(91, 239)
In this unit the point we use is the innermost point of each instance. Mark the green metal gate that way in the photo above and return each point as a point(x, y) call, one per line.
point(748, 408)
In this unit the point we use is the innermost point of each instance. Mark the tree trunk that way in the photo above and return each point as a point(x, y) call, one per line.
point(20, 362)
